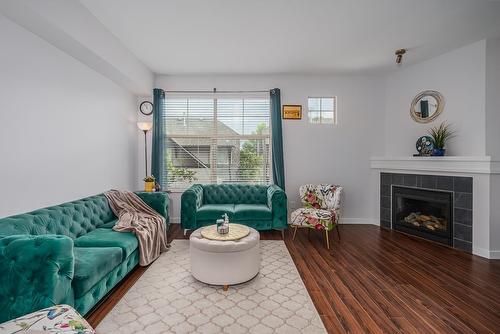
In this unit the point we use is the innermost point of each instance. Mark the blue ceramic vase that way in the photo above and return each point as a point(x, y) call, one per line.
point(438, 152)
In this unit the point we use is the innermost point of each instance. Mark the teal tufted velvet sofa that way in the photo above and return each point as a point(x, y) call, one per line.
point(66, 254)
point(258, 206)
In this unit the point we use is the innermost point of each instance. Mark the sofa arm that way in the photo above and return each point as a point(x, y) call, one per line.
point(36, 273)
point(277, 202)
point(159, 201)
point(191, 201)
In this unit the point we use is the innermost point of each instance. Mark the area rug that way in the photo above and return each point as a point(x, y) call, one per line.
point(167, 299)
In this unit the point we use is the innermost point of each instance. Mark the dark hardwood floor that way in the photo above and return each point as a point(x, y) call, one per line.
point(379, 281)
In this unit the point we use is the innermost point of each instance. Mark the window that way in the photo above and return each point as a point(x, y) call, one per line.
point(223, 139)
point(322, 110)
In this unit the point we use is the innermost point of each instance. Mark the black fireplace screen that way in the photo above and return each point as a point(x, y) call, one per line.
point(422, 212)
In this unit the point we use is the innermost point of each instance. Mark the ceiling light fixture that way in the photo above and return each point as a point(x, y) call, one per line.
point(399, 55)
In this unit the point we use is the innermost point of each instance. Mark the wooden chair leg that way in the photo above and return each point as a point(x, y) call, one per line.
point(338, 230)
point(283, 234)
point(327, 239)
point(294, 232)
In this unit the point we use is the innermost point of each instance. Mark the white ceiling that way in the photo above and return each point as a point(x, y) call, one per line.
point(292, 36)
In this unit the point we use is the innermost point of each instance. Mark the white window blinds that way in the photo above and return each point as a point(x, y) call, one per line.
point(217, 139)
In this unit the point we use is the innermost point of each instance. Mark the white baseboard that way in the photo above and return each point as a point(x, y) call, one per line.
point(481, 252)
point(486, 253)
point(360, 221)
point(494, 255)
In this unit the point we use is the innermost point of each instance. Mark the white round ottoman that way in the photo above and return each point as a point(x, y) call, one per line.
point(224, 262)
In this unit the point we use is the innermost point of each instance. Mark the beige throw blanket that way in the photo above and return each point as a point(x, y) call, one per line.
point(137, 217)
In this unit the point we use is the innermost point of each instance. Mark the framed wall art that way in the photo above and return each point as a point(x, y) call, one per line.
point(292, 111)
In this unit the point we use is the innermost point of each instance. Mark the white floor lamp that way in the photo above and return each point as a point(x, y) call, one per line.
point(145, 127)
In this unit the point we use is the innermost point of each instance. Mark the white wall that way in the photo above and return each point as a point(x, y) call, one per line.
point(469, 79)
point(493, 97)
point(72, 28)
point(316, 153)
point(140, 147)
point(66, 131)
point(493, 136)
point(460, 76)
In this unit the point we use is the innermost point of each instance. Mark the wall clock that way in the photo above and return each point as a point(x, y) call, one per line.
point(146, 108)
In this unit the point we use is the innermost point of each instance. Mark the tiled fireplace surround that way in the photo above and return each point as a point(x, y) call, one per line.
point(461, 187)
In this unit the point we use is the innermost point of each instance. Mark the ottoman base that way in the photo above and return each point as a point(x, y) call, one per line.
point(224, 262)
point(225, 268)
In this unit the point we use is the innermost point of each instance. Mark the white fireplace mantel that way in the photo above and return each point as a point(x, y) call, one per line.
point(447, 164)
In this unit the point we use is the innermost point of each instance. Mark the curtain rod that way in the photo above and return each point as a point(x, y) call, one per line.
point(216, 91)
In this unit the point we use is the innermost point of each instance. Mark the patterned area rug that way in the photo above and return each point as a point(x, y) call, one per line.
point(167, 299)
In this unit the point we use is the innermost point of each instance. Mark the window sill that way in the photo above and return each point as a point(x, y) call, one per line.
point(175, 191)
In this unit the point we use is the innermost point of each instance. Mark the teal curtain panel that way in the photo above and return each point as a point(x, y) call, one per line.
point(277, 139)
point(158, 169)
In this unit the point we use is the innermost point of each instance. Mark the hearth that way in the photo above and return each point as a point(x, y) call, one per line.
point(423, 212)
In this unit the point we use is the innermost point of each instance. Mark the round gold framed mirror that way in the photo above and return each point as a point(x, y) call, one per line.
point(427, 106)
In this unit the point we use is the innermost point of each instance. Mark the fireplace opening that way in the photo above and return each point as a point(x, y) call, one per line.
point(424, 213)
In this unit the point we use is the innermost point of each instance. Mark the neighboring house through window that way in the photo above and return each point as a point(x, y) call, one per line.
point(217, 140)
point(322, 110)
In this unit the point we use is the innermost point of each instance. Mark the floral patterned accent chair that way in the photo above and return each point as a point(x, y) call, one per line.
point(321, 209)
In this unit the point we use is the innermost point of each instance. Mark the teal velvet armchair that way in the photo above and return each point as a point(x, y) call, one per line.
point(65, 254)
point(259, 206)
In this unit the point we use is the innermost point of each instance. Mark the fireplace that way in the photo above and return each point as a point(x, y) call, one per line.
point(443, 193)
point(423, 212)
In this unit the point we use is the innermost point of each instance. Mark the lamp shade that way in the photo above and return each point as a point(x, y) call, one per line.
point(144, 126)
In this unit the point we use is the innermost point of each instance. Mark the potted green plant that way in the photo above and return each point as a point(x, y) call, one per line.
point(440, 135)
point(149, 183)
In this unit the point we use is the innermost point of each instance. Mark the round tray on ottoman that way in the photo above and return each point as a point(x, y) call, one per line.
point(224, 263)
point(236, 231)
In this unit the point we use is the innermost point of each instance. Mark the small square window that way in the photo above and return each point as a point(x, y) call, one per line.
point(322, 110)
